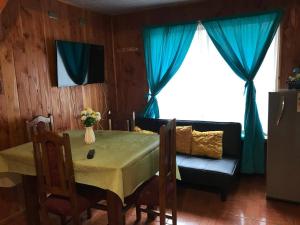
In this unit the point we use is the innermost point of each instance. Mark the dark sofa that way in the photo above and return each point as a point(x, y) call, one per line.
point(204, 172)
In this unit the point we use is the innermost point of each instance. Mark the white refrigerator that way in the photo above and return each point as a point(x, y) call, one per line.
point(283, 152)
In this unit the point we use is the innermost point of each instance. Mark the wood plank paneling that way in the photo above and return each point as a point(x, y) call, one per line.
point(28, 72)
point(11, 207)
point(10, 133)
point(28, 58)
point(11, 95)
point(290, 44)
point(2, 4)
point(130, 66)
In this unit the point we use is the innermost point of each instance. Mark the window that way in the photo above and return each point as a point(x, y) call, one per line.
point(205, 87)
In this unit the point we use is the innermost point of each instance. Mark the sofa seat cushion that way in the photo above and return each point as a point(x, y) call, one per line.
point(226, 165)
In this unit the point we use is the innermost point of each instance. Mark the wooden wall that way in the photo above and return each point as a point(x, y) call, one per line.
point(28, 66)
point(130, 67)
point(2, 4)
point(27, 60)
point(28, 71)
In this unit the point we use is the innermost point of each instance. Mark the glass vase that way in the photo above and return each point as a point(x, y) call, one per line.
point(89, 137)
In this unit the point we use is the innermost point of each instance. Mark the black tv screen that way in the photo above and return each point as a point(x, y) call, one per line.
point(79, 63)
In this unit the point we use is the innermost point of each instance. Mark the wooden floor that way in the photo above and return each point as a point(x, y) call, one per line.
point(246, 205)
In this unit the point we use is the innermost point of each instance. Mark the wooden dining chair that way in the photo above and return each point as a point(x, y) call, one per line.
point(39, 122)
point(160, 191)
point(57, 191)
point(120, 121)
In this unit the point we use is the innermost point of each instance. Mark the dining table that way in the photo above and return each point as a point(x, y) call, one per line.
point(122, 161)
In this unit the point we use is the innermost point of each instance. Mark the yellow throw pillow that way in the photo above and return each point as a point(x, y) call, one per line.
point(207, 143)
point(138, 129)
point(184, 139)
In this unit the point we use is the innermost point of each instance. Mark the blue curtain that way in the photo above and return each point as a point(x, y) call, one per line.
point(165, 49)
point(75, 57)
point(243, 42)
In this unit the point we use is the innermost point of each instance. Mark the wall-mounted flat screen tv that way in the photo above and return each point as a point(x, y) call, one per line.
point(79, 63)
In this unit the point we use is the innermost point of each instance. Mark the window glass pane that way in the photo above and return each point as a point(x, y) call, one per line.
point(205, 87)
point(266, 81)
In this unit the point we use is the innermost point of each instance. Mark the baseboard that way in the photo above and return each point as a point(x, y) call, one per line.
point(12, 217)
point(282, 200)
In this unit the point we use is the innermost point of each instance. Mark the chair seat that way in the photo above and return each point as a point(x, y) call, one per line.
point(86, 195)
point(149, 192)
point(226, 165)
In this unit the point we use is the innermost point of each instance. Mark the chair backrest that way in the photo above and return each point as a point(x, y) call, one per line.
point(54, 165)
point(120, 121)
point(39, 123)
point(167, 165)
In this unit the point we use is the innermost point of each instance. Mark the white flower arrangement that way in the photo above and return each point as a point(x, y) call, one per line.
point(89, 117)
point(294, 78)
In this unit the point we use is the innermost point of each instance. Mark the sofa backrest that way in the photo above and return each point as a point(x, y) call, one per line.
point(232, 142)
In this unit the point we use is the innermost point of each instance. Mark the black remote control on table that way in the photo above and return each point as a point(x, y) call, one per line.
point(91, 154)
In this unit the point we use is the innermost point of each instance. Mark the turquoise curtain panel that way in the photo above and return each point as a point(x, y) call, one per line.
point(243, 42)
point(165, 49)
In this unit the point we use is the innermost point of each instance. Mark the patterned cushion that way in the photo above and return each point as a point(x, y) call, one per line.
point(139, 130)
point(183, 139)
point(207, 143)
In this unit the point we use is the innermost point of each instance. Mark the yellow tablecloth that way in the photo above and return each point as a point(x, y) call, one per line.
point(123, 160)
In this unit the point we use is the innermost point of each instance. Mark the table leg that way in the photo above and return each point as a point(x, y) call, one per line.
point(31, 200)
point(114, 209)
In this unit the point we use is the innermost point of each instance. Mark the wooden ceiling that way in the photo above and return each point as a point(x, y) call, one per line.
point(114, 7)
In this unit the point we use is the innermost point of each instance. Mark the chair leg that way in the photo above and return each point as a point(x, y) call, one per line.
point(76, 220)
point(174, 207)
point(44, 215)
point(174, 215)
point(223, 195)
point(89, 213)
point(150, 215)
point(162, 218)
point(138, 212)
point(124, 218)
point(63, 220)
